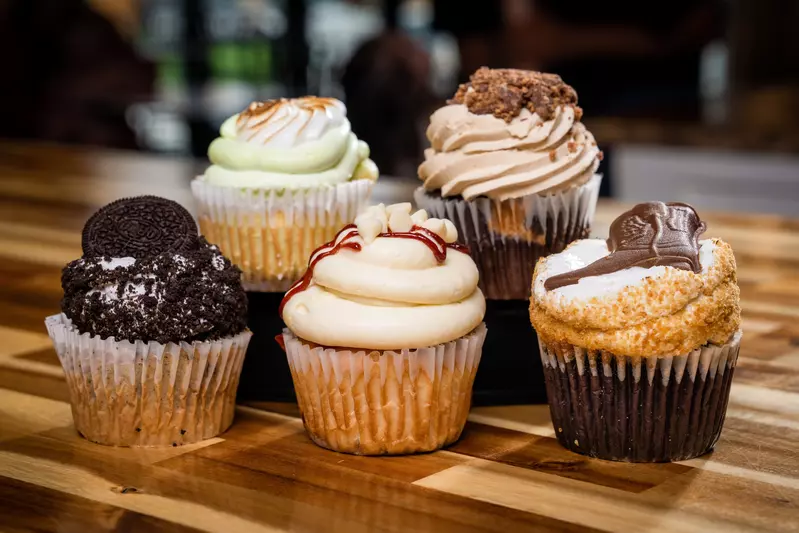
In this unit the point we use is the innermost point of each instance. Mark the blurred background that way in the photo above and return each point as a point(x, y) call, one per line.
point(692, 100)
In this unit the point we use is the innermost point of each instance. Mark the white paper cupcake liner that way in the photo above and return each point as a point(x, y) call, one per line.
point(271, 234)
point(385, 402)
point(506, 238)
point(146, 393)
point(641, 409)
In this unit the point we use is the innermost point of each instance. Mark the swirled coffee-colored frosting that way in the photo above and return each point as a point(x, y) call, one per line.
point(663, 293)
point(289, 144)
point(507, 135)
point(392, 280)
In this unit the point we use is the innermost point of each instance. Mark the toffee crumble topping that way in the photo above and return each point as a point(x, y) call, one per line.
point(505, 92)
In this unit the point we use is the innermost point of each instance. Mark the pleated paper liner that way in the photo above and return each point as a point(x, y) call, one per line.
point(506, 238)
point(146, 393)
point(271, 234)
point(650, 409)
point(385, 402)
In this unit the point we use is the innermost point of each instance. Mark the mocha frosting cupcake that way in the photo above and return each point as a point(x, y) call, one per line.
point(152, 333)
point(285, 176)
point(385, 334)
point(639, 336)
point(513, 167)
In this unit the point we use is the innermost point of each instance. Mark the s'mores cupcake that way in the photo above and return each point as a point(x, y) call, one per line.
point(639, 336)
point(286, 174)
point(385, 333)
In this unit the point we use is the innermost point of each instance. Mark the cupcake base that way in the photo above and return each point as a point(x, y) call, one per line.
point(638, 409)
point(506, 238)
point(148, 394)
point(270, 234)
point(385, 403)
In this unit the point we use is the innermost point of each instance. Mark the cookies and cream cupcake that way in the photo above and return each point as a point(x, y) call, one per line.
point(153, 330)
point(385, 334)
point(639, 336)
point(286, 174)
point(513, 167)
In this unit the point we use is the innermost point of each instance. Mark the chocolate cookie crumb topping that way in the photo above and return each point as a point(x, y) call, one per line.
point(142, 226)
point(505, 92)
point(195, 295)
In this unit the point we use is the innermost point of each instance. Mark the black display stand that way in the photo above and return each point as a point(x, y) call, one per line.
point(510, 369)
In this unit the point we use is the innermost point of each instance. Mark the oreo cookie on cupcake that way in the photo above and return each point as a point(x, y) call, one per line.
point(639, 336)
point(152, 333)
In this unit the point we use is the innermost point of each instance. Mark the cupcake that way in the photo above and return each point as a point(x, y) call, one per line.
point(152, 333)
point(513, 167)
point(285, 176)
point(385, 334)
point(639, 336)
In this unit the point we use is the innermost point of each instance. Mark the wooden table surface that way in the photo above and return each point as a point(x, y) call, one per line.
point(506, 474)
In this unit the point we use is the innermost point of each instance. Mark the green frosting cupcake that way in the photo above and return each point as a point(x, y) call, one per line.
point(300, 143)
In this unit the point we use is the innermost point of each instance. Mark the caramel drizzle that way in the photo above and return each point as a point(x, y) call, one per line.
point(344, 239)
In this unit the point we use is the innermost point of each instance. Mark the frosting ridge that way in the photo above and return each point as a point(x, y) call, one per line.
point(392, 280)
point(289, 144)
point(481, 155)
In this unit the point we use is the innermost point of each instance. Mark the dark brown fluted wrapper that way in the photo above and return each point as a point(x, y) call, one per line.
point(637, 409)
point(506, 238)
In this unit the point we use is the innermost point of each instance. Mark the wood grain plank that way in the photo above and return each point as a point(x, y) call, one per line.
point(84, 482)
point(586, 505)
point(29, 507)
point(544, 454)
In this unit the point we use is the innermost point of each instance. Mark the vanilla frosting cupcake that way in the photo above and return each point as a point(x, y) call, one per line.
point(153, 328)
point(639, 336)
point(386, 327)
point(512, 165)
point(285, 175)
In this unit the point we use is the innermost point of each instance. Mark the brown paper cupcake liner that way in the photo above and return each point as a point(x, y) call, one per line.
point(506, 238)
point(650, 409)
point(146, 393)
point(385, 402)
point(271, 234)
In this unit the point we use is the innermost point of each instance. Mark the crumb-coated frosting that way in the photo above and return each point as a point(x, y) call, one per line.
point(195, 295)
point(637, 311)
point(294, 143)
point(480, 148)
point(165, 284)
point(392, 280)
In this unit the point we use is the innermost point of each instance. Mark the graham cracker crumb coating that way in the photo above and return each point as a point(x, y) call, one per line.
point(665, 315)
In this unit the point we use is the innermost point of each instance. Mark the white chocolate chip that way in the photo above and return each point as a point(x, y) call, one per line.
point(436, 226)
point(405, 207)
point(400, 222)
point(368, 227)
point(450, 232)
point(378, 212)
point(419, 217)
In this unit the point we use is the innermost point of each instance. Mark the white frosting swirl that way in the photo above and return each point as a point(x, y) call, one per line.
point(481, 155)
point(288, 123)
point(289, 144)
point(391, 294)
